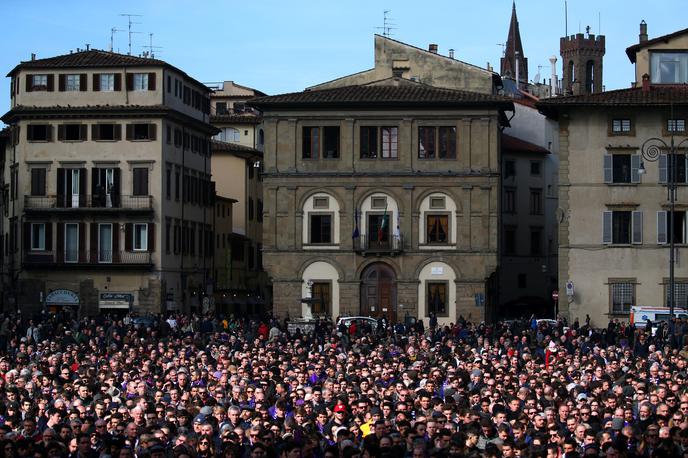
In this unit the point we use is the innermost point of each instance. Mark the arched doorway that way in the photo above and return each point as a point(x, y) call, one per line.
point(379, 292)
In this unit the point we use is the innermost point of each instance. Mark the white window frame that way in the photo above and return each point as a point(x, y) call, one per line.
point(142, 244)
point(41, 241)
point(140, 81)
point(107, 82)
point(621, 125)
point(72, 82)
point(39, 80)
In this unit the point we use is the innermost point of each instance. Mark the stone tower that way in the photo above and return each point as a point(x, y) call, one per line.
point(581, 56)
point(514, 50)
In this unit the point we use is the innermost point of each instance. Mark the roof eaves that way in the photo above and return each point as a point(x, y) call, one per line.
point(631, 51)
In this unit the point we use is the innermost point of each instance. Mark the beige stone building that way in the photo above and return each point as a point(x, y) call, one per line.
point(614, 219)
point(382, 199)
point(236, 166)
point(110, 193)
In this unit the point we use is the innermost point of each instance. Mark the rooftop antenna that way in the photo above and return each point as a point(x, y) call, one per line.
point(129, 16)
point(566, 18)
point(387, 25)
point(599, 23)
point(151, 49)
point(113, 31)
point(503, 45)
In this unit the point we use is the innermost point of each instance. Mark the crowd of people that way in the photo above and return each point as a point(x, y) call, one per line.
point(205, 386)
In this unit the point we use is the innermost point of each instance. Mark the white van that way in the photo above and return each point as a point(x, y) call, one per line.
point(641, 313)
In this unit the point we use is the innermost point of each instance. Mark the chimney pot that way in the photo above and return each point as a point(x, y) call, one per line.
point(432, 48)
point(33, 56)
point(451, 53)
point(642, 37)
point(88, 46)
point(646, 83)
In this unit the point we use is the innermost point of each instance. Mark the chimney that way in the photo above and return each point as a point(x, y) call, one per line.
point(646, 83)
point(451, 53)
point(642, 37)
point(518, 69)
point(33, 56)
point(432, 48)
point(553, 80)
point(88, 46)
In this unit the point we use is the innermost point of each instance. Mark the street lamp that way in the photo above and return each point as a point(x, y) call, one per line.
point(651, 151)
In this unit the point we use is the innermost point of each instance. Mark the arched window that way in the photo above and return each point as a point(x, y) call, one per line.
point(320, 222)
point(589, 76)
point(320, 289)
point(436, 225)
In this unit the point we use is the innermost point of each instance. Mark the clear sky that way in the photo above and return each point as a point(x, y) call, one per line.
point(282, 46)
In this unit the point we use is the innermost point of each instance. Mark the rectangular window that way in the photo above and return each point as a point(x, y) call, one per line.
point(177, 184)
point(535, 201)
point(39, 82)
point(39, 132)
point(105, 239)
point(621, 295)
point(389, 142)
point(679, 162)
point(71, 242)
point(107, 82)
point(437, 229)
point(622, 168)
point(221, 108)
point(140, 81)
point(106, 132)
point(37, 236)
point(509, 200)
point(535, 168)
point(437, 298)
point(72, 82)
point(447, 142)
point(622, 227)
point(140, 237)
point(72, 132)
point(369, 146)
point(331, 142)
point(509, 169)
point(168, 184)
point(321, 297)
point(510, 240)
point(321, 202)
point(378, 228)
point(437, 203)
point(320, 229)
point(311, 142)
point(676, 125)
point(167, 237)
point(669, 67)
point(535, 241)
point(141, 131)
point(666, 221)
point(621, 125)
point(38, 181)
point(426, 142)
point(140, 181)
point(680, 293)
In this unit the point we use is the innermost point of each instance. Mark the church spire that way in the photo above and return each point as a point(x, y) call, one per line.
point(513, 46)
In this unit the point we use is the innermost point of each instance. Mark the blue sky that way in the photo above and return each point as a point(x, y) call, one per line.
point(281, 46)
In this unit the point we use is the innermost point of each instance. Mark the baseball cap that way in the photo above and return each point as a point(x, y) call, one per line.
point(340, 408)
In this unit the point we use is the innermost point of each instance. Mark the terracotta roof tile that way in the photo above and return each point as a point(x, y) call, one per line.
point(657, 95)
point(516, 145)
point(236, 118)
point(221, 146)
point(404, 94)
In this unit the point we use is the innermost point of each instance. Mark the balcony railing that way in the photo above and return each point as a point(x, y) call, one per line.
point(92, 258)
point(84, 201)
point(366, 245)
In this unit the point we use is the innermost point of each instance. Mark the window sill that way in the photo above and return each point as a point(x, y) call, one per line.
point(436, 159)
point(622, 245)
point(39, 141)
point(141, 140)
point(621, 184)
point(72, 141)
point(105, 141)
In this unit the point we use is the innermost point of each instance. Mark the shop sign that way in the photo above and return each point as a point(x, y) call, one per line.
point(115, 300)
point(62, 297)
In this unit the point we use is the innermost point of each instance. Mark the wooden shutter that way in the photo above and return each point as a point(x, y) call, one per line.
point(115, 193)
point(661, 227)
point(27, 237)
point(83, 180)
point(117, 131)
point(60, 242)
point(96, 82)
point(637, 226)
point(151, 81)
point(152, 128)
point(51, 83)
point(128, 237)
point(61, 187)
point(608, 172)
point(48, 236)
point(83, 132)
point(95, 132)
point(93, 246)
point(116, 258)
point(118, 81)
point(83, 82)
point(82, 243)
point(151, 237)
point(662, 168)
point(29, 83)
point(607, 227)
point(130, 81)
point(61, 82)
point(130, 131)
point(635, 168)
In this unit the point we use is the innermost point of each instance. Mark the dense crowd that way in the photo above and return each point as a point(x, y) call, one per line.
point(187, 387)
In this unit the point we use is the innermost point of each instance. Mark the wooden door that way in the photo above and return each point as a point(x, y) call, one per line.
point(378, 292)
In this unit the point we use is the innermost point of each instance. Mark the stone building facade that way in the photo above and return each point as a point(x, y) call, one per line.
point(382, 200)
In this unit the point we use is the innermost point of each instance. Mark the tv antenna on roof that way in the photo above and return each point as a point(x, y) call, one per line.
point(129, 16)
point(503, 46)
point(387, 26)
point(151, 49)
point(113, 31)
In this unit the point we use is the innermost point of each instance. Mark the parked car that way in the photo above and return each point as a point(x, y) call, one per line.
point(640, 314)
point(347, 320)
